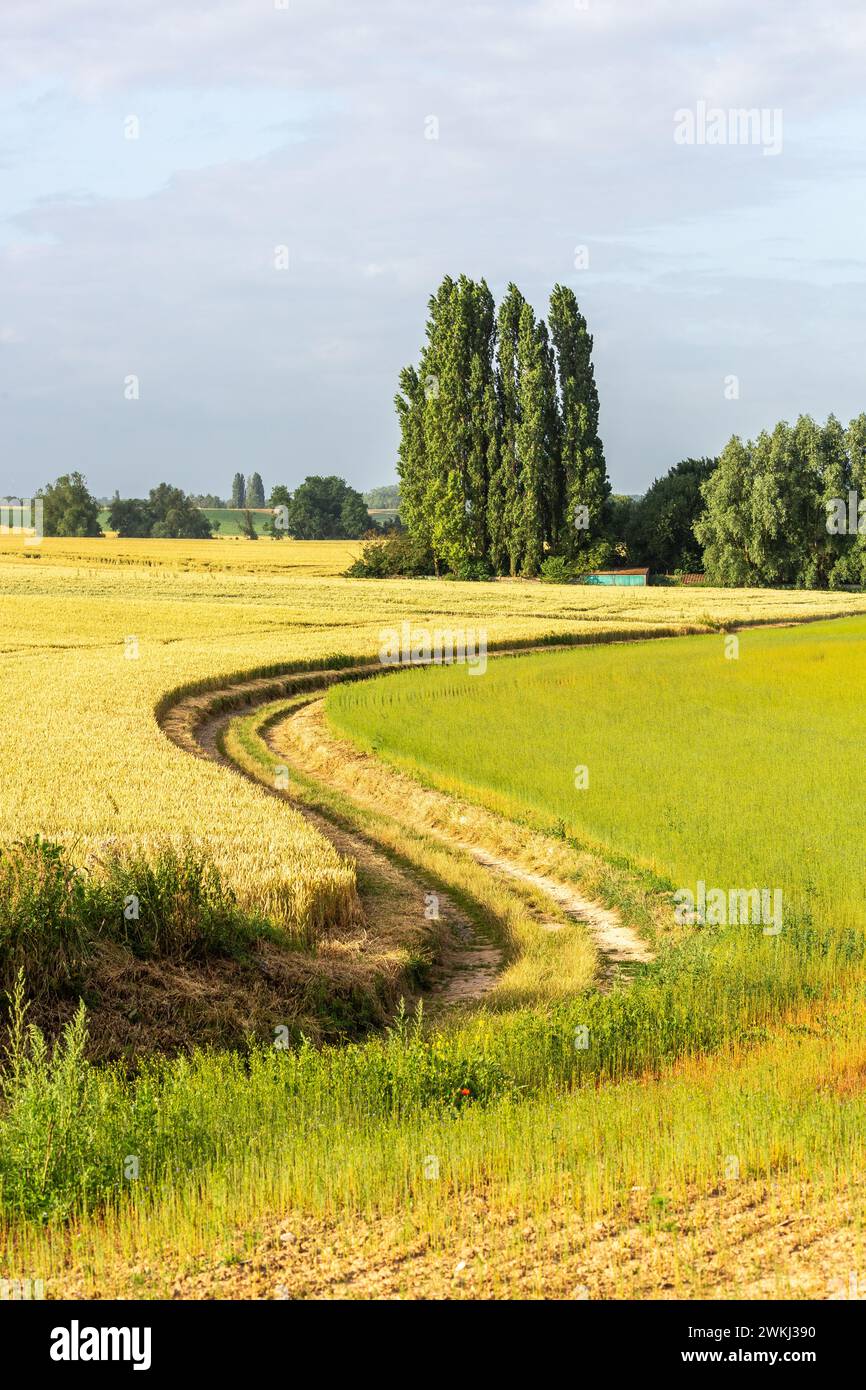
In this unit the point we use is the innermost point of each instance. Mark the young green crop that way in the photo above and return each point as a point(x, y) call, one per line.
point(731, 761)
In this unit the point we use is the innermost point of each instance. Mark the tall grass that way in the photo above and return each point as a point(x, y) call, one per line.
point(67, 1126)
point(164, 901)
point(46, 918)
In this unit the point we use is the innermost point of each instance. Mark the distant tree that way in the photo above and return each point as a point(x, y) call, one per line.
point(248, 526)
point(276, 526)
point(68, 508)
point(354, 516)
point(387, 524)
point(238, 491)
point(385, 498)
point(255, 492)
point(659, 530)
point(130, 516)
point(327, 509)
point(176, 516)
point(208, 500)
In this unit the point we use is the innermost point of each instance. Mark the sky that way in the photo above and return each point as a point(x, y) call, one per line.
point(220, 223)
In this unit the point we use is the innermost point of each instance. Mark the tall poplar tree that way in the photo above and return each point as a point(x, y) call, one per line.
point(447, 426)
point(255, 492)
point(412, 468)
point(238, 491)
point(531, 438)
point(584, 480)
point(505, 504)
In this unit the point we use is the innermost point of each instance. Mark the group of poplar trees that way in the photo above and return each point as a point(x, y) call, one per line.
point(500, 460)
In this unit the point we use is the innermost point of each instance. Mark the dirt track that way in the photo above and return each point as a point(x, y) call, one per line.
point(469, 966)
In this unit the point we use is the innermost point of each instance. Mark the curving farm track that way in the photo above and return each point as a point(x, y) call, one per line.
point(469, 965)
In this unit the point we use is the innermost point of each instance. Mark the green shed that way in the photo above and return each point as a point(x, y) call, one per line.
point(617, 577)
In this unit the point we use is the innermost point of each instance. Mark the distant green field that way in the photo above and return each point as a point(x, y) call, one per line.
point(739, 772)
point(231, 520)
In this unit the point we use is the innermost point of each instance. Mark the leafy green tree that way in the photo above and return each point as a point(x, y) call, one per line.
point(208, 500)
point(248, 526)
point(457, 378)
point(130, 516)
point(327, 509)
point(852, 567)
point(724, 530)
point(825, 473)
point(276, 526)
point(68, 509)
point(176, 516)
point(482, 445)
point(849, 550)
point(354, 516)
point(659, 527)
point(255, 491)
point(753, 530)
point(239, 495)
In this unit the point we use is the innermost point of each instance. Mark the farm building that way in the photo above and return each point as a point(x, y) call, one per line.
point(617, 577)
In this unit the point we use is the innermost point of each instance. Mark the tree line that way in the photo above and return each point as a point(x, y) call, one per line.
point(318, 509)
point(783, 509)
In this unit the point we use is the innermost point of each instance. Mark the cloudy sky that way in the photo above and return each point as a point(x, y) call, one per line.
point(306, 124)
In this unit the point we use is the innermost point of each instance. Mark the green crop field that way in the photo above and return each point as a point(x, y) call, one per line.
point(737, 771)
point(231, 520)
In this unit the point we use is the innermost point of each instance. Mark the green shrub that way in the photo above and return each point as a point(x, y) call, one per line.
point(166, 903)
point(387, 557)
point(556, 570)
point(45, 916)
point(473, 570)
point(172, 904)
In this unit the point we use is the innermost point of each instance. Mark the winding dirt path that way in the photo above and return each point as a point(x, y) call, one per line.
point(618, 944)
point(469, 967)
point(305, 735)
